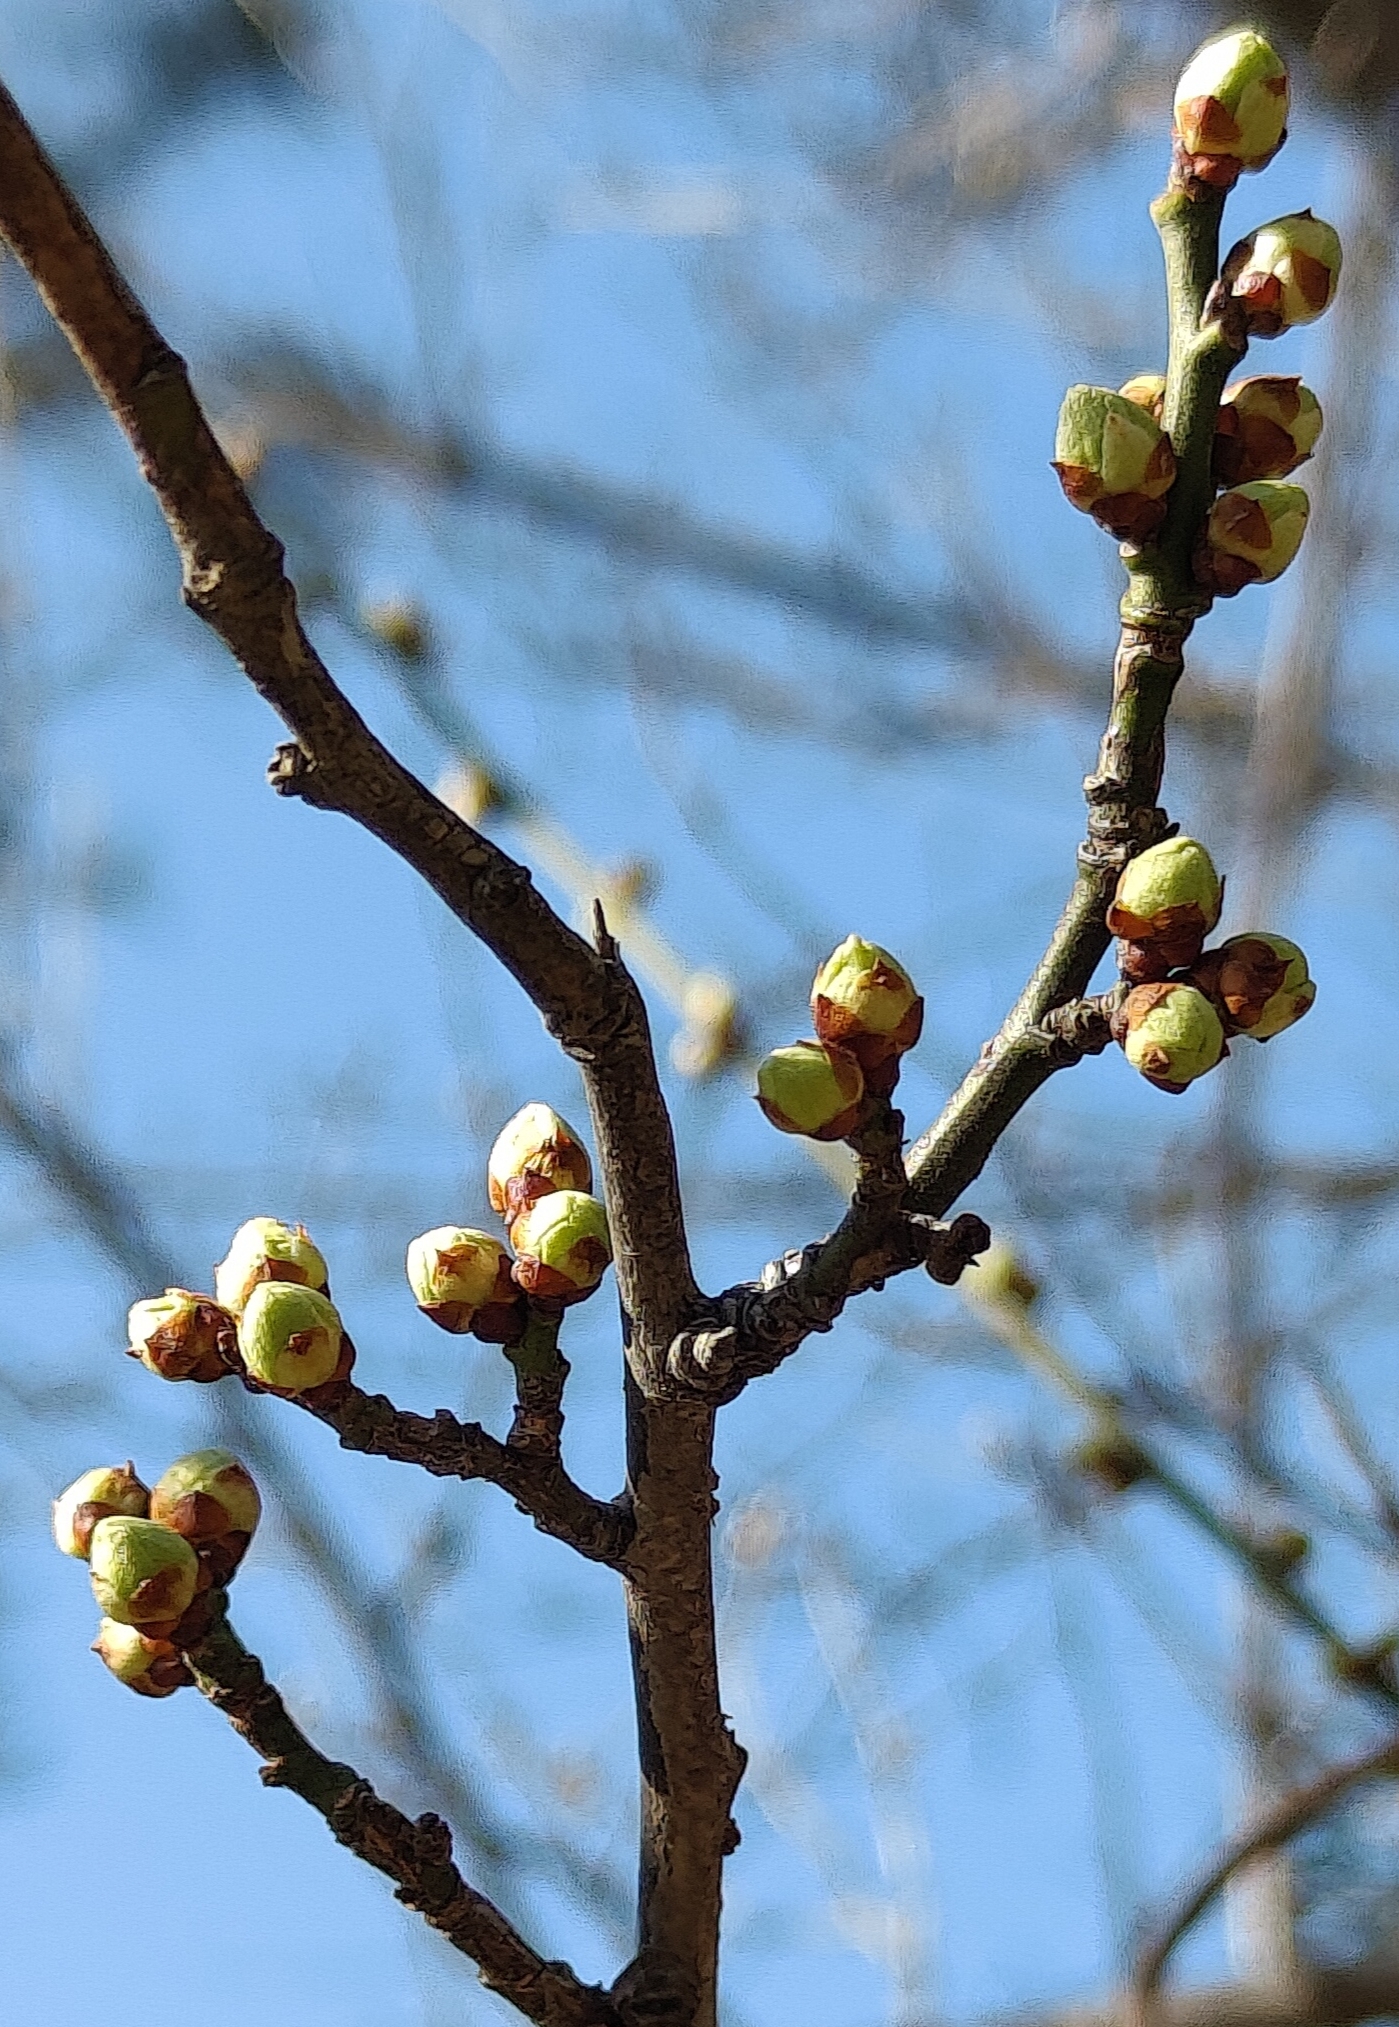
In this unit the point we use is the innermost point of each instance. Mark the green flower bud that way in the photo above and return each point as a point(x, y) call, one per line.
point(1252, 534)
point(143, 1574)
point(1284, 273)
point(1169, 1032)
point(454, 1272)
point(290, 1337)
point(264, 1249)
point(400, 626)
point(562, 1245)
point(997, 1279)
point(1114, 462)
point(1231, 106)
point(1167, 901)
point(534, 1153)
point(863, 1001)
point(180, 1335)
point(812, 1088)
point(1267, 427)
point(150, 1667)
point(209, 1498)
point(112, 1488)
point(1259, 982)
point(1148, 390)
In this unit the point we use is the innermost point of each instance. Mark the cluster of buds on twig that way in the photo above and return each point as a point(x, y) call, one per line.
point(1186, 1003)
point(868, 1014)
point(156, 1555)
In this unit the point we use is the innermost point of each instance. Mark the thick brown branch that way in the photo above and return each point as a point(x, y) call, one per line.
point(416, 1855)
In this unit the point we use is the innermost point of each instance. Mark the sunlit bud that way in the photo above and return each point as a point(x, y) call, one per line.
point(1252, 534)
point(863, 1001)
point(400, 626)
point(150, 1667)
point(143, 1574)
point(1267, 427)
point(535, 1153)
point(1114, 461)
point(998, 1279)
point(712, 1033)
point(562, 1246)
point(290, 1337)
point(1170, 1033)
point(181, 1335)
point(454, 1271)
point(1259, 981)
point(1231, 106)
point(1284, 273)
point(1167, 901)
point(1148, 391)
point(209, 1498)
point(812, 1088)
point(264, 1249)
point(112, 1488)
point(1283, 1550)
point(1110, 1456)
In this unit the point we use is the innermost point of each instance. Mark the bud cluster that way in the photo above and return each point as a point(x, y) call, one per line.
point(867, 1014)
point(154, 1557)
point(1186, 1002)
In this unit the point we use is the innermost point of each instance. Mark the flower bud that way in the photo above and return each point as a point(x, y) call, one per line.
point(180, 1335)
point(562, 1245)
point(812, 1088)
point(454, 1272)
point(863, 1001)
point(209, 1498)
point(112, 1488)
point(1231, 106)
point(264, 1249)
point(1167, 901)
point(999, 1280)
point(150, 1667)
point(1251, 535)
point(1148, 391)
point(1283, 273)
point(143, 1574)
point(1114, 462)
point(290, 1337)
point(534, 1153)
point(400, 626)
point(1259, 982)
point(1169, 1032)
point(1267, 427)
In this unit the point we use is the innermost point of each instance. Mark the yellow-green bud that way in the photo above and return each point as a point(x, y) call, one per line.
point(1259, 981)
point(181, 1335)
point(1148, 390)
point(1267, 427)
point(1167, 901)
point(290, 1337)
point(112, 1488)
point(1170, 1033)
point(264, 1249)
point(562, 1246)
point(1114, 461)
point(1231, 106)
point(400, 626)
point(812, 1088)
point(534, 1153)
point(1284, 273)
point(1252, 534)
point(143, 1574)
point(455, 1271)
point(863, 1001)
point(997, 1279)
point(209, 1497)
point(150, 1667)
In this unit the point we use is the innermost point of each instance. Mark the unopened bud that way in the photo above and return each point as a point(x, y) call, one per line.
point(812, 1088)
point(264, 1249)
point(209, 1497)
point(1114, 462)
point(454, 1272)
point(400, 626)
point(1170, 1033)
point(1284, 273)
point(1231, 106)
point(1252, 534)
point(97, 1495)
point(712, 1032)
point(181, 1335)
point(1167, 901)
point(863, 1001)
point(143, 1574)
point(535, 1153)
point(562, 1246)
point(1259, 981)
point(998, 1279)
point(1267, 427)
point(150, 1667)
point(1110, 1456)
point(290, 1337)
point(1148, 391)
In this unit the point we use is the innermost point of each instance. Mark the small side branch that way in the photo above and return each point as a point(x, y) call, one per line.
point(416, 1855)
